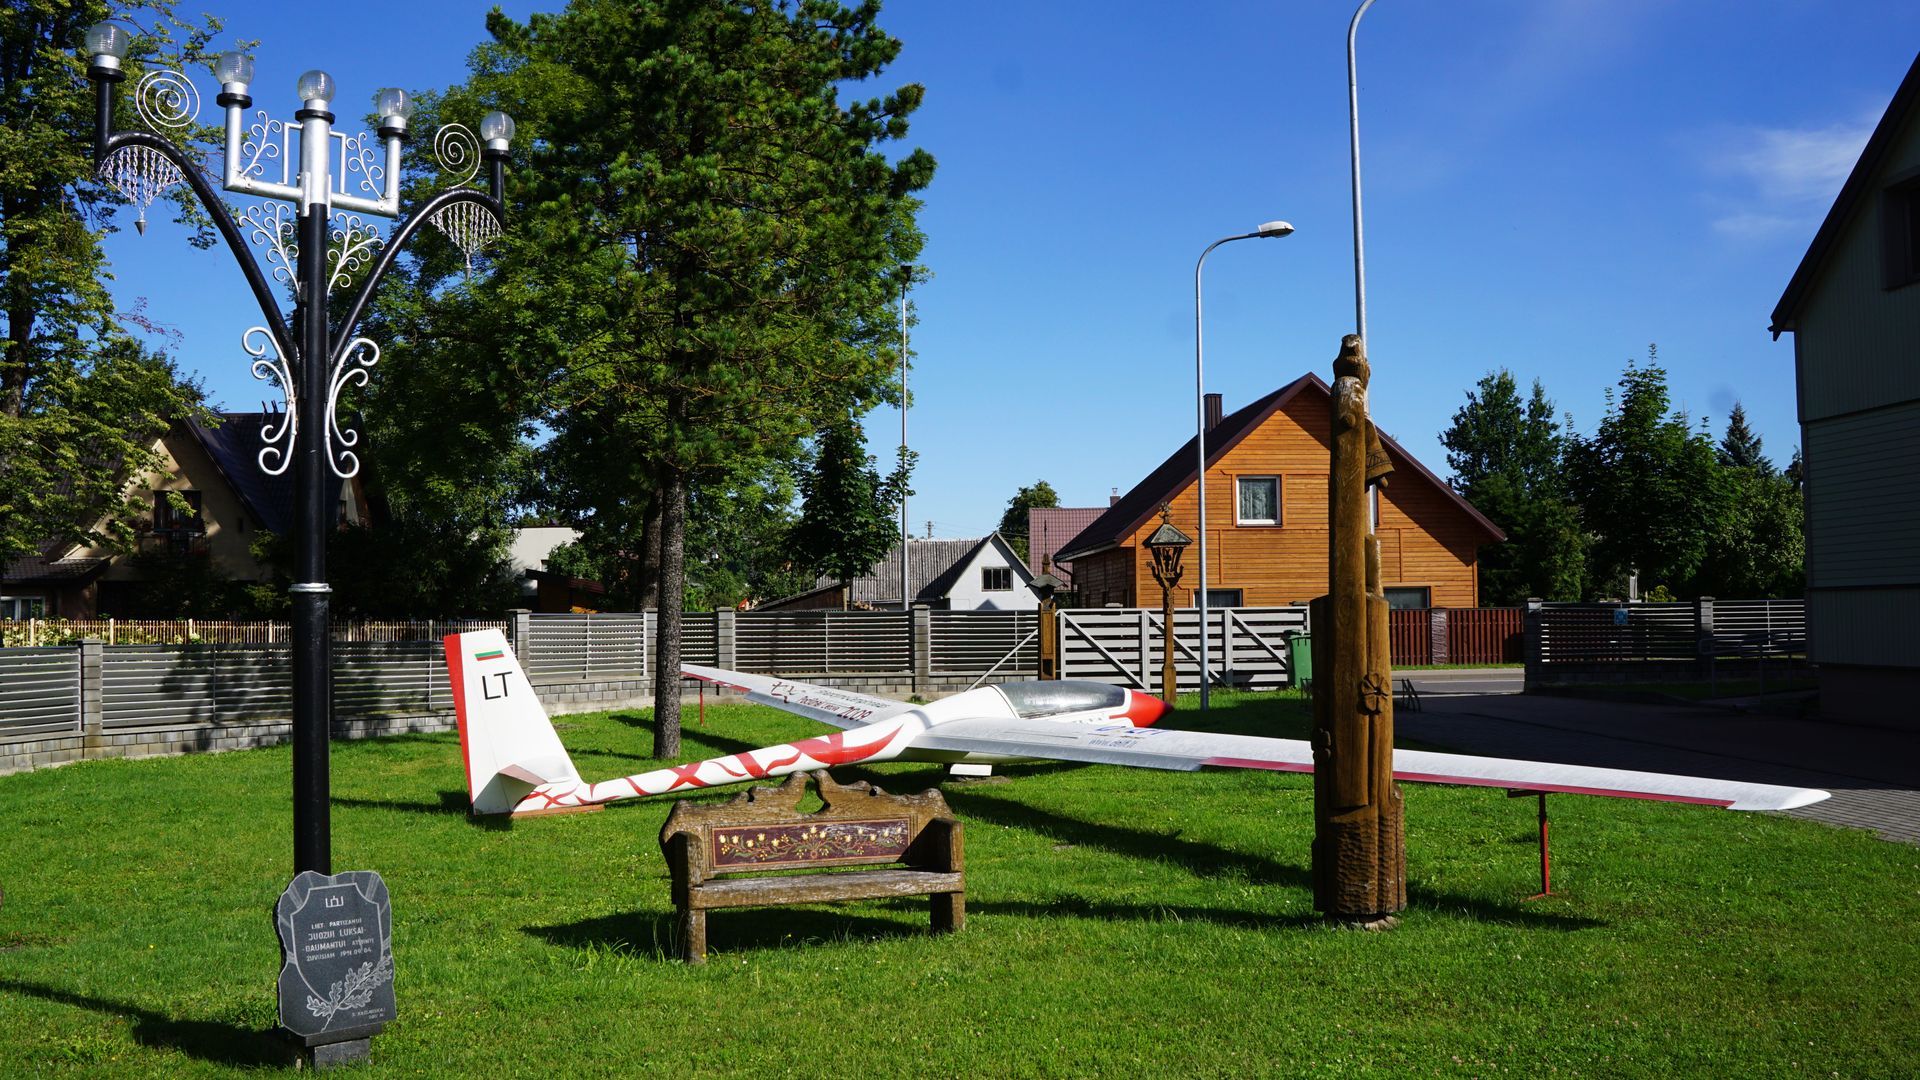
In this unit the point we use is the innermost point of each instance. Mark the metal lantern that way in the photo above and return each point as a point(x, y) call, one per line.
point(1167, 545)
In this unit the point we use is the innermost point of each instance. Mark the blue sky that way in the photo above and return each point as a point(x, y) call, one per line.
point(1549, 187)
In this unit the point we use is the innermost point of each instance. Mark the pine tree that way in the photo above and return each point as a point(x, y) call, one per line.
point(1740, 447)
point(1506, 459)
point(846, 518)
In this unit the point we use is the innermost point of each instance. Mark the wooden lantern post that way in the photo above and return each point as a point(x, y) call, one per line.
point(1049, 628)
point(1359, 836)
point(1166, 545)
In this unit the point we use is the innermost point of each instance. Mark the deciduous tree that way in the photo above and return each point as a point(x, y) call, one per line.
point(1648, 485)
point(1013, 523)
point(80, 405)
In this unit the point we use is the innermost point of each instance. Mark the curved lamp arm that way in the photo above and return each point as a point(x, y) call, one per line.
point(222, 220)
point(391, 251)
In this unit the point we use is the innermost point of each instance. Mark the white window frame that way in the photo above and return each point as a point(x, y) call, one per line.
point(1239, 514)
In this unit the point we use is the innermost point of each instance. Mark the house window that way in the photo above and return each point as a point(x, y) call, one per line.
point(1900, 225)
point(1408, 596)
point(996, 578)
point(1257, 500)
point(167, 518)
point(1219, 598)
point(22, 607)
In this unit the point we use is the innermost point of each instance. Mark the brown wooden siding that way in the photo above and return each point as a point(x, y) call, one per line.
point(1425, 538)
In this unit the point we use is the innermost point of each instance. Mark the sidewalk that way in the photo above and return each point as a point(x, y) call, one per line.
point(1873, 773)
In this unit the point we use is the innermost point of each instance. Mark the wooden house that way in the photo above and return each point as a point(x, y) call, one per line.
point(1853, 307)
point(1267, 517)
point(214, 469)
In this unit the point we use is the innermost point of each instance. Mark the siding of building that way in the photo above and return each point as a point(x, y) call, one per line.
point(1424, 540)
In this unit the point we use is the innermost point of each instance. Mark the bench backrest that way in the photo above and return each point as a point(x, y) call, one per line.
point(763, 828)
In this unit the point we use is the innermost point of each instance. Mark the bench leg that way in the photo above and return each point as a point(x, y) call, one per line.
point(693, 935)
point(949, 912)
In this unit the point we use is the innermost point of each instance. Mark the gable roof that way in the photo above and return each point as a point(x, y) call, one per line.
point(940, 587)
point(234, 446)
point(1859, 185)
point(1137, 506)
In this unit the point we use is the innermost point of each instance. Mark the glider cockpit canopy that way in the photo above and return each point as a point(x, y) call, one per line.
point(1032, 700)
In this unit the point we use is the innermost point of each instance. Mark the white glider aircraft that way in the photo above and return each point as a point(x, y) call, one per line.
point(515, 763)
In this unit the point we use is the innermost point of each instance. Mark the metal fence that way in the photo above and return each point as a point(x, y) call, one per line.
point(975, 642)
point(1246, 646)
point(39, 691)
point(584, 648)
point(1687, 631)
point(1457, 635)
point(823, 642)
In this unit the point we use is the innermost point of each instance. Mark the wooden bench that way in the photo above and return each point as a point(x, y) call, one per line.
point(735, 854)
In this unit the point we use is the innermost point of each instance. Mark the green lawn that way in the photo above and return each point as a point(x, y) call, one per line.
point(1120, 922)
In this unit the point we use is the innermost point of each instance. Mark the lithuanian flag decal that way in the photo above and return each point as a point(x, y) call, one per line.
point(490, 654)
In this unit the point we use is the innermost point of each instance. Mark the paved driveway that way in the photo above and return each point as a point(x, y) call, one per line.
point(1873, 773)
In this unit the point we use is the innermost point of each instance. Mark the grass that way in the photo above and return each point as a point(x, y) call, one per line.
point(1120, 922)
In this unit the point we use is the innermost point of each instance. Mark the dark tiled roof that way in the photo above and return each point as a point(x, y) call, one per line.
point(1124, 518)
point(41, 570)
point(932, 568)
point(235, 447)
point(1906, 100)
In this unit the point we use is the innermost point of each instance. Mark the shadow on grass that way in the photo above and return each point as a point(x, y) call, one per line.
point(451, 803)
point(1208, 860)
point(1082, 908)
point(207, 1040)
point(742, 930)
point(1196, 857)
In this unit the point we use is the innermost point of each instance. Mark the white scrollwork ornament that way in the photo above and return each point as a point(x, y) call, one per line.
point(359, 158)
point(166, 100)
point(359, 355)
point(458, 153)
point(140, 174)
point(273, 228)
point(277, 454)
point(266, 140)
point(354, 242)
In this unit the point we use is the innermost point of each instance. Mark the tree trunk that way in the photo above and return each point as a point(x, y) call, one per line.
point(647, 589)
point(673, 588)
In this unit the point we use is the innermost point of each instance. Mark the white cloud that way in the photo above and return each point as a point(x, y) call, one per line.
point(1791, 166)
point(1782, 179)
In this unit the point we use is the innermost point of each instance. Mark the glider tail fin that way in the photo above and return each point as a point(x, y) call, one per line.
point(506, 740)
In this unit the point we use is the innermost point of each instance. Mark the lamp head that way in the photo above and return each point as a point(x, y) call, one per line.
point(394, 108)
point(1274, 228)
point(315, 88)
point(106, 45)
point(496, 130)
point(234, 70)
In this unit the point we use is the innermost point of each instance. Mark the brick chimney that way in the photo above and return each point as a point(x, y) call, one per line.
point(1212, 410)
point(1113, 498)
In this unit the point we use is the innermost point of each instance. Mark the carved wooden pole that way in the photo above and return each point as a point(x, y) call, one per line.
point(1359, 836)
point(1165, 546)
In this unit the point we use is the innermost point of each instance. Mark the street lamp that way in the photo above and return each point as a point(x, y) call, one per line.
point(313, 356)
point(1166, 545)
point(1274, 229)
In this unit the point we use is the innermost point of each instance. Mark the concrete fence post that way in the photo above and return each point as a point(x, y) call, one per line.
point(93, 713)
point(1704, 646)
point(520, 633)
point(922, 646)
point(1437, 636)
point(725, 648)
point(1534, 650)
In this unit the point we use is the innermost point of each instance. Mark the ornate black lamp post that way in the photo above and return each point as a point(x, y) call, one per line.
point(314, 357)
point(1166, 545)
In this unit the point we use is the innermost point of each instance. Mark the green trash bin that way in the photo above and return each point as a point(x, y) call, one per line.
point(1300, 659)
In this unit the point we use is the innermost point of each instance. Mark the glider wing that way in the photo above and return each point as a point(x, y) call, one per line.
point(1170, 748)
point(827, 704)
